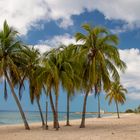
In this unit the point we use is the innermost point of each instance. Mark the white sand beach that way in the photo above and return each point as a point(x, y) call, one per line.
point(108, 128)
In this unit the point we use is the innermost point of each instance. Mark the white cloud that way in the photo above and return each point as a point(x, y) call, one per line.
point(131, 78)
point(64, 9)
point(126, 11)
point(134, 96)
point(123, 10)
point(56, 41)
point(27, 14)
point(42, 48)
point(22, 14)
point(118, 30)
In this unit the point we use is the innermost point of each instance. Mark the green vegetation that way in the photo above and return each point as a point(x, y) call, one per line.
point(136, 110)
point(100, 58)
point(117, 93)
point(88, 66)
point(129, 111)
point(11, 62)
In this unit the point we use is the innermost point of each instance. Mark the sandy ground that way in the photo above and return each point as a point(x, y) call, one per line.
point(109, 128)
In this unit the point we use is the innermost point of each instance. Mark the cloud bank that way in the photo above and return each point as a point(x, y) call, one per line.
point(56, 41)
point(131, 78)
point(27, 14)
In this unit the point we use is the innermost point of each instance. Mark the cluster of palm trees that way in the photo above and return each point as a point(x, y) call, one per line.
point(90, 65)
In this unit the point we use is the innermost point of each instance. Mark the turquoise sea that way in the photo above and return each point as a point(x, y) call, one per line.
point(13, 117)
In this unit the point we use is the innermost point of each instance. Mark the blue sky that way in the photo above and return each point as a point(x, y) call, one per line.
point(47, 23)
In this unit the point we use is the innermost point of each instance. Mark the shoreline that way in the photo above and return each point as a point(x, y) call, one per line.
point(62, 118)
point(111, 115)
point(107, 128)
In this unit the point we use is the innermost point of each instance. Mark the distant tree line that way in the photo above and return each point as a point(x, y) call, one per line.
point(136, 110)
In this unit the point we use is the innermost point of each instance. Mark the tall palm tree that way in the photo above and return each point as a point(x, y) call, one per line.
point(59, 71)
point(117, 93)
point(70, 80)
point(97, 94)
point(10, 61)
point(51, 81)
point(98, 49)
point(32, 71)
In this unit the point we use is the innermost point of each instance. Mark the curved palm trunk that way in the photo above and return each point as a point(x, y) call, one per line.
point(17, 102)
point(99, 114)
point(68, 103)
point(56, 113)
point(84, 111)
point(53, 110)
point(47, 115)
point(40, 111)
point(117, 109)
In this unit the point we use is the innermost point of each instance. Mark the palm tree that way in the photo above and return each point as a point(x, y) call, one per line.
point(51, 81)
point(117, 93)
point(32, 71)
point(70, 80)
point(98, 49)
point(97, 94)
point(10, 61)
point(58, 71)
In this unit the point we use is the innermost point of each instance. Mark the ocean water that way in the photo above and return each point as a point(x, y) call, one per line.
point(12, 117)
